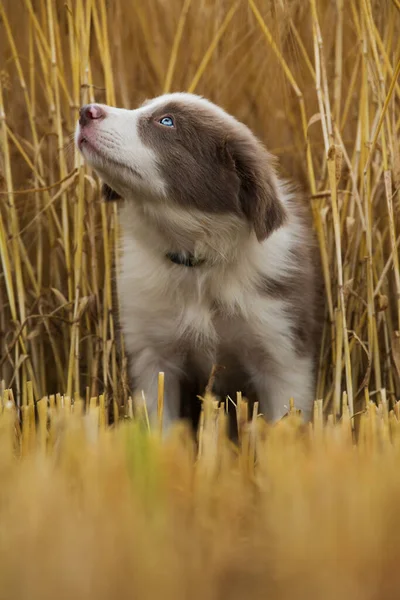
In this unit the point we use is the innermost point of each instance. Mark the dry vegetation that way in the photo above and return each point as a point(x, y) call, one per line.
point(318, 81)
point(92, 513)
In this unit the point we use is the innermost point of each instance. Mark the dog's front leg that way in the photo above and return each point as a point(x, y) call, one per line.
point(278, 383)
point(145, 369)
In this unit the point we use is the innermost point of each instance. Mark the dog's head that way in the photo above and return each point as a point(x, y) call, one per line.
point(182, 149)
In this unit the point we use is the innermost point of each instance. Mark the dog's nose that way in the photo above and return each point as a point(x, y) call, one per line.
point(90, 112)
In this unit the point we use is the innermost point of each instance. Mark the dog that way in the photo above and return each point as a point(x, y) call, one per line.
point(217, 264)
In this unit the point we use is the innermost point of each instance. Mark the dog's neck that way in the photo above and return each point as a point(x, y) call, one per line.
point(185, 236)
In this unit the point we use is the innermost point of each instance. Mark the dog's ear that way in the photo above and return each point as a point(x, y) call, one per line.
point(258, 194)
point(109, 194)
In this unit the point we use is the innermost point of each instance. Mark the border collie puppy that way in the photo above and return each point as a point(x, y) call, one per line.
point(217, 260)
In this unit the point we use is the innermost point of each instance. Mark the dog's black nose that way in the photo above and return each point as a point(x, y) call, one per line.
point(90, 112)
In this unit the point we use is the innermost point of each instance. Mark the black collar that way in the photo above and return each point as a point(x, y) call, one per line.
point(188, 260)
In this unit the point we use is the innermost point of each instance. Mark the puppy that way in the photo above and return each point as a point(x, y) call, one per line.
point(217, 260)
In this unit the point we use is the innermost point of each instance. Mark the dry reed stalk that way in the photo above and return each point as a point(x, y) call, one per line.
point(160, 401)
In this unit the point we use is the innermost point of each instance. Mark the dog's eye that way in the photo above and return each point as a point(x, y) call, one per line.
point(167, 121)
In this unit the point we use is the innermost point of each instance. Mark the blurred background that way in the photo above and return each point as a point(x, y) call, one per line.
point(316, 80)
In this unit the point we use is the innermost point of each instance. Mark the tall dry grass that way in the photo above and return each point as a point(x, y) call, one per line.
point(316, 80)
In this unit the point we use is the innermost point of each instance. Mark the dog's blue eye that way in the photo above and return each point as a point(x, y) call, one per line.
point(167, 121)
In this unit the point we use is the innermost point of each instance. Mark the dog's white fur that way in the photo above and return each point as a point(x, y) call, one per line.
point(165, 306)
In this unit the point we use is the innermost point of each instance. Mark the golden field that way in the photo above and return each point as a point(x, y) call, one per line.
point(92, 511)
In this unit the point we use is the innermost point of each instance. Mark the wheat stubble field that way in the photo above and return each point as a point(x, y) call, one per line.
point(92, 510)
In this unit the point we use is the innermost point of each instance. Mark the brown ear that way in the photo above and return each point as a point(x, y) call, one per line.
point(258, 195)
point(109, 194)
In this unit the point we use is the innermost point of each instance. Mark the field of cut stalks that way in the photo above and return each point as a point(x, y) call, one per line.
point(90, 510)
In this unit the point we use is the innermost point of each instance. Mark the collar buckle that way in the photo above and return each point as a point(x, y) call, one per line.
point(184, 260)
